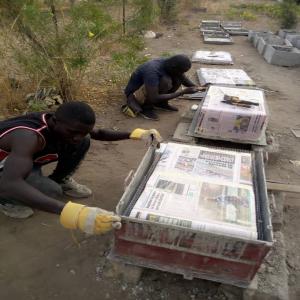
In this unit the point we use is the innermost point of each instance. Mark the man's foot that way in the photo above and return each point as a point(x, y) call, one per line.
point(73, 189)
point(16, 211)
point(166, 107)
point(149, 114)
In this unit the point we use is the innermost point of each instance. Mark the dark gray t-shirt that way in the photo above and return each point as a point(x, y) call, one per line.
point(148, 73)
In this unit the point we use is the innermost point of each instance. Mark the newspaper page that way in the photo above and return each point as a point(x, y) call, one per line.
point(203, 189)
point(230, 121)
point(236, 77)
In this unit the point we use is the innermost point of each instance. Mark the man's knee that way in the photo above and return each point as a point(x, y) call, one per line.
point(165, 84)
point(45, 185)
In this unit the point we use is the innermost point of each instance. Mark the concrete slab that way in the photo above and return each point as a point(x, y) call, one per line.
point(208, 31)
point(213, 57)
point(282, 55)
point(235, 24)
point(237, 31)
point(210, 23)
point(218, 39)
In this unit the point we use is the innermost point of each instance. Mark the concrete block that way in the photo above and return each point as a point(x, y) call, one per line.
point(271, 281)
point(261, 45)
point(235, 24)
point(293, 38)
point(283, 32)
point(269, 39)
point(210, 23)
point(251, 35)
point(180, 134)
point(217, 39)
point(282, 55)
point(237, 31)
point(258, 35)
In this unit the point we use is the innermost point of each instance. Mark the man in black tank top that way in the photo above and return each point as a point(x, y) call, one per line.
point(31, 141)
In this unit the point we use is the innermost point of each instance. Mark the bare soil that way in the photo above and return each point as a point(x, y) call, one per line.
point(41, 260)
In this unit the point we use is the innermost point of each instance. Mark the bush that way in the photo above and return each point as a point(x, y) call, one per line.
point(288, 14)
point(57, 49)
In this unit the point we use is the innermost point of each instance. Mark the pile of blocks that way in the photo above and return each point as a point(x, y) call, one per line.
point(213, 33)
point(217, 32)
point(281, 49)
point(234, 28)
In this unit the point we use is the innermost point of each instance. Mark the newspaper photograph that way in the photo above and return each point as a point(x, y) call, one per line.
point(201, 188)
point(234, 122)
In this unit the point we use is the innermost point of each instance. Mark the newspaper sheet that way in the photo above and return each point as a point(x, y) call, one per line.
point(212, 57)
point(201, 188)
point(236, 77)
point(218, 119)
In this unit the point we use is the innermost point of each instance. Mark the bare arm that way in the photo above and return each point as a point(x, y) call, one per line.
point(187, 82)
point(153, 95)
point(109, 135)
point(17, 167)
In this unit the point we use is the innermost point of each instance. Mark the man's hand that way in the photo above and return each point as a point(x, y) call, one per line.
point(191, 90)
point(92, 220)
point(150, 136)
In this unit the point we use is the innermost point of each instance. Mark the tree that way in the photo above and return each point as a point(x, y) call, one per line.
point(55, 48)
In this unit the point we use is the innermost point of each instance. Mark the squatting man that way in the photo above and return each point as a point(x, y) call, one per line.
point(30, 141)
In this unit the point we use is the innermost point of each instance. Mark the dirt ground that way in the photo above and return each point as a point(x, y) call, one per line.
point(41, 260)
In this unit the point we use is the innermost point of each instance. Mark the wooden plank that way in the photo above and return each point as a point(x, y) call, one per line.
point(283, 187)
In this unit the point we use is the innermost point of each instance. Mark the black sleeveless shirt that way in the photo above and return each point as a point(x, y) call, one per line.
point(36, 122)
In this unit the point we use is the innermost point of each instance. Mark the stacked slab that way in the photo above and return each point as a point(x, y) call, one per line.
point(234, 28)
point(277, 49)
point(213, 33)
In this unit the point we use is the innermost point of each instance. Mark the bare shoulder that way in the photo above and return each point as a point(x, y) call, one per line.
point(24, 141)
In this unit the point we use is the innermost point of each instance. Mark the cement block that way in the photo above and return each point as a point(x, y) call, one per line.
point(271, 281)
point(235, 24)
point(283, 32)
point(293, 38)
point(217, 38)
point(269, 39)
point(261, 45)
point(258, 35)
point(251, 35)
point(282, 55)
point(210, 23)
point(237, 31)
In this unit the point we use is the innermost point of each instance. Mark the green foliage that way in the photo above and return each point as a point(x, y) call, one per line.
point(288, 16)
point(234, 13)
point(125, 61)
point(144, 15)
point(286, 12)
point(168, 10)
point(57, 49)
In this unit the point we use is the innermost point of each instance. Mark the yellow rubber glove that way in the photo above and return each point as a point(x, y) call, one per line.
point(92, 220)
point(150, 135)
